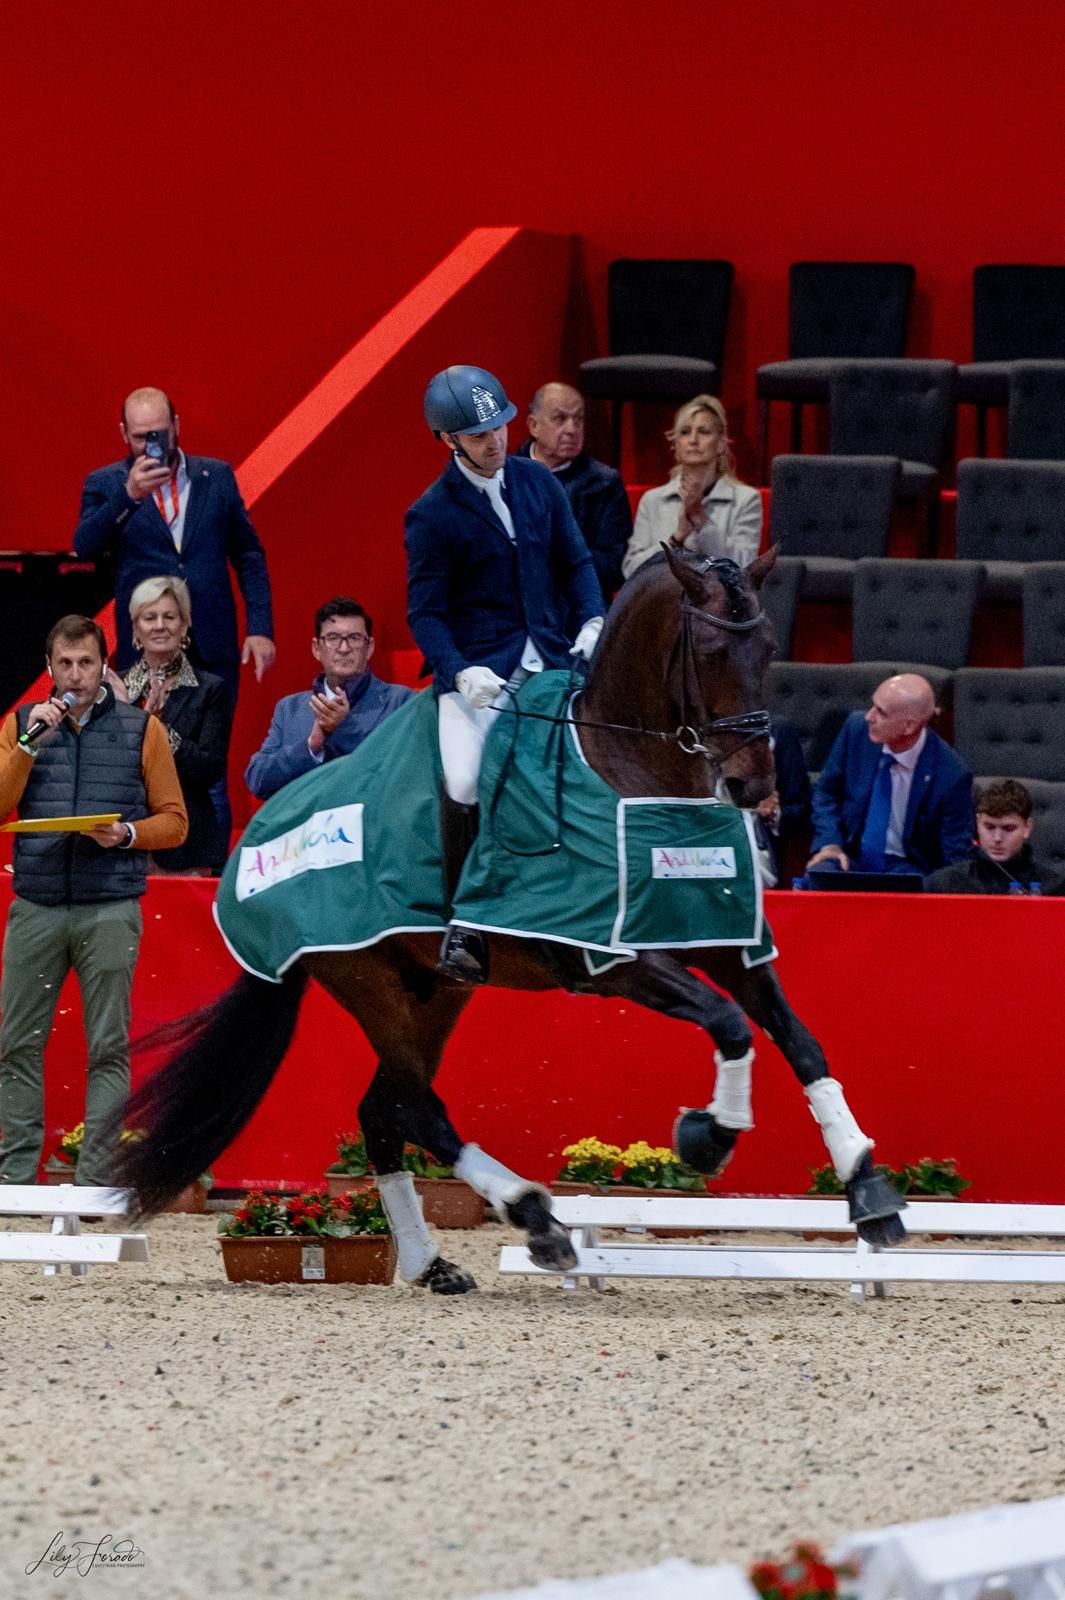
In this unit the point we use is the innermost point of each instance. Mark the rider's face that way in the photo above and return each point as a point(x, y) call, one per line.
point(484, 453)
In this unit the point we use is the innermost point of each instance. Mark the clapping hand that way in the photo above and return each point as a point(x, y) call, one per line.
point(328, 715)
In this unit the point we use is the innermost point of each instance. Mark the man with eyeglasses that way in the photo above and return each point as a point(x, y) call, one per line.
point(346, 702)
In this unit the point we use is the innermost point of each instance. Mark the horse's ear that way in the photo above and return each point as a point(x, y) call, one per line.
point(762, 566)
point(689, 577)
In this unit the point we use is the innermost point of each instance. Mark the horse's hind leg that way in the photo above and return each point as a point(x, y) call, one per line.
point(874, 1201)
point(408, 1017)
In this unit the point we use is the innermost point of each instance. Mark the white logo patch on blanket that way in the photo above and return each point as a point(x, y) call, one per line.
point(330, 838)
point(699, 862)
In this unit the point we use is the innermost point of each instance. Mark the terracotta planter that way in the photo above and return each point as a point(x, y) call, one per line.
point(338, 1183)
point(450, 1203)
point(446, 1202)
point(288, 1258)
point(56, 1171)
point(635, 1191)
point(192, 1200)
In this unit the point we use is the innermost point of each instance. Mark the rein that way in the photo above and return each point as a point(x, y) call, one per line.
point(689, 737)
point(692, 734)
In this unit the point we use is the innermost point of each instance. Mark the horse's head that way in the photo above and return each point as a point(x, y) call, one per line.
point(716, 672)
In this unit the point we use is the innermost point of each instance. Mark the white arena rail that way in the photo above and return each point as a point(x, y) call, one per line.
point(852, 1261)
point(66, 1245)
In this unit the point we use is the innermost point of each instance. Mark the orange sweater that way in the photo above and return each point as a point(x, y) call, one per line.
point(167, 821)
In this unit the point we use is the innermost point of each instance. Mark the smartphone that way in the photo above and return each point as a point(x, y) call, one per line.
point(157, 445)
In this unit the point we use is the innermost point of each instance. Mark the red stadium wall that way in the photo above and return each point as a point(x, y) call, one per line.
point(933, 1011)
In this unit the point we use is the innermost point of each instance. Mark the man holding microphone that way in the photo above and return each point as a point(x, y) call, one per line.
point(81, 753)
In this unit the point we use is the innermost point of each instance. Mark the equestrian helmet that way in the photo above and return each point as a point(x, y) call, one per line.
point(466, 400)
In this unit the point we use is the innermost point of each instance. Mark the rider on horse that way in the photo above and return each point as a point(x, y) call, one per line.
point(497, 568)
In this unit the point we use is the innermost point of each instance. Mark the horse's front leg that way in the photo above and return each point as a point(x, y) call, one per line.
point(704, 1139)
point(874, 1201)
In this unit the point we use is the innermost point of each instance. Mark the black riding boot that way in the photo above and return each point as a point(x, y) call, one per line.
point(464, 953)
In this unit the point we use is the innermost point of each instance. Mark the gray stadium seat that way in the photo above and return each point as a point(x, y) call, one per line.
point(831, 510)
point(1011, 720)
point(1010, 513)
point(780, 597)
point(1018, 315)
point(666, 326)
point(837, 311)
point(1043, 592)
point(1036, 423)
point(915, 610)
point(818, 696)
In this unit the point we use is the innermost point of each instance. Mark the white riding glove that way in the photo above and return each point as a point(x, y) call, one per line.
point(588, 638)
point(479, 686)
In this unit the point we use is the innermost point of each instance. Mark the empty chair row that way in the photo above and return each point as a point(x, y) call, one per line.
point(833, 510)
point(924, 610)
point(1006, 721)
point(840, 311)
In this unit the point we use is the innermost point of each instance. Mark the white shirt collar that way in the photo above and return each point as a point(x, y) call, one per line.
point(475, 477)
point(909, 758)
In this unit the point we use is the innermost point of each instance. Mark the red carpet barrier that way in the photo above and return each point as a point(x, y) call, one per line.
point(935, 1012)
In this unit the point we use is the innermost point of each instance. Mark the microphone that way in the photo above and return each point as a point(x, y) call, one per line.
point(35, 729)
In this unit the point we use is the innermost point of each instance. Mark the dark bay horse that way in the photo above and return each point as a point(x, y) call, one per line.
point(672, 708)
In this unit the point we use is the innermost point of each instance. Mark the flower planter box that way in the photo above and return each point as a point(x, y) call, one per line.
point(446, 1202)
point(636, 1191)
point(338, 1183)
point(58, 1171)
point(293, 1258)
point(450, 1203)
point(192, 1201)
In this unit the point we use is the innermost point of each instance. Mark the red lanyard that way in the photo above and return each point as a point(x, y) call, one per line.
point(175, 501)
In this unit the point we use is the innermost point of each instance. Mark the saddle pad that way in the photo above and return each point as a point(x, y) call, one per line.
point(561, 856)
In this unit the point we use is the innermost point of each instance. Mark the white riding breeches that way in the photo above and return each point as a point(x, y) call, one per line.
point(462, 734)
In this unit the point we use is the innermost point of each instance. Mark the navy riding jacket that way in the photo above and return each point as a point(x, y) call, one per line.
point(473, 597)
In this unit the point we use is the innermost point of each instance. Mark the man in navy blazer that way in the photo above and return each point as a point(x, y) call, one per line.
point(496, 568)
point(926, 814)
point(160, 512)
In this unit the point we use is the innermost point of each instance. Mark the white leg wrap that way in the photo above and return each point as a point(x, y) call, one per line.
point(845, 1141)
point(403, 1208)
point(731, 1105)
point(498, 1185)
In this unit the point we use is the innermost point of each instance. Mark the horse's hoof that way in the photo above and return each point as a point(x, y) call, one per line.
point(703, 1143)
point(444, 1277)
point(553, 1250)
point(883, 1231)
point(875, 1204)
point(549, 1242)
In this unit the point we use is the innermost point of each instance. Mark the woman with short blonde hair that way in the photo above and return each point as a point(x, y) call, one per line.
point(703, 507)
point(193, 705)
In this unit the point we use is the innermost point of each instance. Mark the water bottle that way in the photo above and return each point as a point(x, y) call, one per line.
point(1035, 888)
point(800, 883)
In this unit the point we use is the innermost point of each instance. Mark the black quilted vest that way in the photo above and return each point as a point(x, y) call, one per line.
point(79, 774)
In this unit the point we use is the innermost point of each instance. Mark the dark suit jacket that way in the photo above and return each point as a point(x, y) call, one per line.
point(473, 597)
point(217, 534)
point(600, 506)
point(203, 718)
point(939, 818)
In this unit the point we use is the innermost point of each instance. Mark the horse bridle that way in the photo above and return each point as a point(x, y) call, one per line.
point(748, 725)
point(690, 737)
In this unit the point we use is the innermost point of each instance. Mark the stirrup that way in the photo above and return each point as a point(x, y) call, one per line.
point(463, 956)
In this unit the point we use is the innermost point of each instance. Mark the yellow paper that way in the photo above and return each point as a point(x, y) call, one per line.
point(61, 824)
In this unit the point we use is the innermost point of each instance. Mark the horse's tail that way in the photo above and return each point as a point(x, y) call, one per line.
point(194, 1106)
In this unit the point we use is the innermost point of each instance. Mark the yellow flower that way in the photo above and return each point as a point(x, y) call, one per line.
point(591, 1149)
point(640, 1153)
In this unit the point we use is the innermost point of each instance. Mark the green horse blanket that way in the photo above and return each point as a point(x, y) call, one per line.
point(350, 853)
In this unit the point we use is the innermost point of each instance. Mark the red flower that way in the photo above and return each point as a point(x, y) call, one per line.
point(242, 1214)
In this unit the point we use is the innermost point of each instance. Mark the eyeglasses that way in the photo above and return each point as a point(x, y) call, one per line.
point(344, 641)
